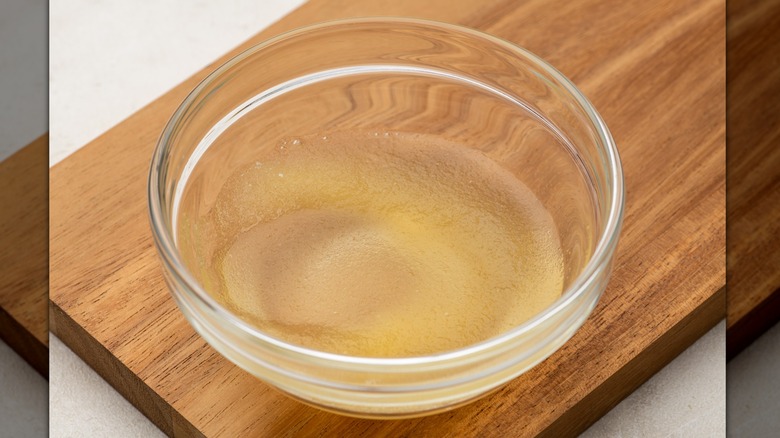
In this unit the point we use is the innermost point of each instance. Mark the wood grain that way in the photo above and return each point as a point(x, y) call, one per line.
point(656, 72)
point(24, 266)
point(753, 171)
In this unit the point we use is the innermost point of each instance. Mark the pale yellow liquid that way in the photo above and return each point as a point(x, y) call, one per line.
point(381, 245)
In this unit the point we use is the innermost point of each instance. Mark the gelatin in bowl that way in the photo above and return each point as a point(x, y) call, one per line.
point(386, 217)
point(378, 245)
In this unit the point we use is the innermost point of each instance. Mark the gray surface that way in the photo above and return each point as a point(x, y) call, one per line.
point(754, 388)
point(23, 397)
point(23, 110)
point(23, 392)
point(130, 67)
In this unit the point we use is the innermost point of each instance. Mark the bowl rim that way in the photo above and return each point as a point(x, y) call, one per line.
point(598, 262)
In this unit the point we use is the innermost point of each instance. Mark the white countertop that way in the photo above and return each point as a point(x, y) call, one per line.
point(108, 59)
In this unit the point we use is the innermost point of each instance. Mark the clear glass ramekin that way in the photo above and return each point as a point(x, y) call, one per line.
point(379, 75)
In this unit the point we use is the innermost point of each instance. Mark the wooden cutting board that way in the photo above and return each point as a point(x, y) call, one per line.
point(24, 260)
point(753, 171)
point(656, 72)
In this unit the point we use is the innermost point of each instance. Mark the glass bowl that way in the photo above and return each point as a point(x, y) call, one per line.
point(379, 77)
